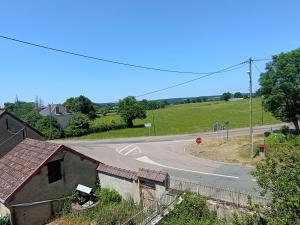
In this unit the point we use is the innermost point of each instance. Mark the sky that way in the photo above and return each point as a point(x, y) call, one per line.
point(200, 36)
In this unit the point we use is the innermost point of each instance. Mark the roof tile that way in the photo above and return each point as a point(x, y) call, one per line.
point(22, 162)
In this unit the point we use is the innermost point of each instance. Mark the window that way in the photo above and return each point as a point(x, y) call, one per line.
point(54, 171)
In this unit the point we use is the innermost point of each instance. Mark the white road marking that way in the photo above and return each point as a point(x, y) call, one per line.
point(131, 150)
point(145, 159)
point(124, 148)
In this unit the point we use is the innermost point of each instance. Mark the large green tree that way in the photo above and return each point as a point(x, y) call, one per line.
point(279, 175)
point(129, 109)
point(82, 105)
point(280, 87)
point(226, 96)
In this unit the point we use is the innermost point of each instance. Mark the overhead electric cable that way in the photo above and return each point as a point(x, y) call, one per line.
point(259, 60)
point(256, 67)
point(102, 59)
point(230, 68)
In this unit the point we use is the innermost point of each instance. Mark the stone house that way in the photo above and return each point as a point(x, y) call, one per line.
point(35, 176)
point(13, 130)
point(60, 112)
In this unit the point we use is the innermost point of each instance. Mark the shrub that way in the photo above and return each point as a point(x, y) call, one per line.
point(109, 196)
point(4, 220)
point(79, 125)
point(285, 130)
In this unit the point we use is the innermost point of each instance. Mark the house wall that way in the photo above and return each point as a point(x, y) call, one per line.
point(63, 120)
point(14, 126)
point(160, 189)
point(4, 211)
point(75, 170)
point(126, 188)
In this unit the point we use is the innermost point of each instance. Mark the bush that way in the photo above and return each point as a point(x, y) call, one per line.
point(109, 196)
point(4, 220)
point(285, 130)
point(79, 125)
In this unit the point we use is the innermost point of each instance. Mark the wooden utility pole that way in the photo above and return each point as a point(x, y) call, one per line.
point(250, 108)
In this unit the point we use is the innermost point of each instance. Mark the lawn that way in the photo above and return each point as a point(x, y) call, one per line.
point(188, 118)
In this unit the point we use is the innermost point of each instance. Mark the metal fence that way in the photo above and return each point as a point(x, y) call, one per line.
point(219, 193)
point(146, 215)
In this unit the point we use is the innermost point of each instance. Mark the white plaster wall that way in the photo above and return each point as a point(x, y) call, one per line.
point(127, 189)
point(3, 210)
point(159, 191)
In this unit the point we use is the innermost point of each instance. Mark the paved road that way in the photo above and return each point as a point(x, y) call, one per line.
point(167, 153)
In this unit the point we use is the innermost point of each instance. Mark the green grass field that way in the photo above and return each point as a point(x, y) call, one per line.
point(189, 118)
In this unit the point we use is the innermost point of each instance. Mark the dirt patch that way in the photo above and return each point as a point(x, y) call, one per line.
point(234, 150)
point(69, 221)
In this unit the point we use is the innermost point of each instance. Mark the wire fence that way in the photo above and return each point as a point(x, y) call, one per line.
point(220, 193)
point(150, 212)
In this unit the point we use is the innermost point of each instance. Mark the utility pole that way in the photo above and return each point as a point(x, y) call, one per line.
point(250, 108)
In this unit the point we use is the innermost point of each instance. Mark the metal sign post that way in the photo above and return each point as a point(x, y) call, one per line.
point(148, 125)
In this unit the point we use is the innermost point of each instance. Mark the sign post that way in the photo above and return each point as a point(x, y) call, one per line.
point(148, 125)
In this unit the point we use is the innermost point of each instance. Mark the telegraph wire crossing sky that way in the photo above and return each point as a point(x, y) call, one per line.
point(193, 36)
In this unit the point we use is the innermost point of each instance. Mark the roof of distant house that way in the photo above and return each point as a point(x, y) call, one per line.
point(51, 109)
point(24, 161)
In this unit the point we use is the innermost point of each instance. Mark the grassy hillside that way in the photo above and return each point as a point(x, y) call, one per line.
point(189, 118)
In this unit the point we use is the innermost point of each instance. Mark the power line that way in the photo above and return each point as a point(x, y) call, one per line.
point(256, 67)
point(101, 59)
point(230, 68)
point(259, 60)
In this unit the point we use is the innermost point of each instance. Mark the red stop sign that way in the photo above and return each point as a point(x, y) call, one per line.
point(198, 140)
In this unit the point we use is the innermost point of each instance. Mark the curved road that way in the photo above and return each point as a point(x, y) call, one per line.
point(167, 153)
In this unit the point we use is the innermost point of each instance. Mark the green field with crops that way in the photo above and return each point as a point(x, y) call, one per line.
point(188, 118)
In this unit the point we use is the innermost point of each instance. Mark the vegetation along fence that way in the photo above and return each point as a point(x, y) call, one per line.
point(219, 193)
point(146, 215)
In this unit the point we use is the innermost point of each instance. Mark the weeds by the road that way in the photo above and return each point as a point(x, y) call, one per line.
point(235, 150)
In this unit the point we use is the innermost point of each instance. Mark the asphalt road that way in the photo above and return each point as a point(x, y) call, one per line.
point(167, 153)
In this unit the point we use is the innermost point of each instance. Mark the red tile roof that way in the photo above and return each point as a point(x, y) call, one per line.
point(153, 175)
point(24, 161)
point(111, 170)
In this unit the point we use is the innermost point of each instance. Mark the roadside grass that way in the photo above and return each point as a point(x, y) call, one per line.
point(235, 150)
point(187, 118)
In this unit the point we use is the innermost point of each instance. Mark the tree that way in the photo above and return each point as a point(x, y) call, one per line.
point(279, 175)
point(226, 96)
point(238, 95)
point(129, 109)
point(81, 104)
point(49, 127)
point(280, 87)
point(79, 125)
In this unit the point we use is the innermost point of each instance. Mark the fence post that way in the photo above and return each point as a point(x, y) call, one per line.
point(197, 189)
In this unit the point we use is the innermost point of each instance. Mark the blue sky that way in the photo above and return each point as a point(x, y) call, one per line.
point(182, 35)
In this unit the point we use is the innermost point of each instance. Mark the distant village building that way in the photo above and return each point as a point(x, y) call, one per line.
point(13, 130)
point(60, 112)
point(35, 176)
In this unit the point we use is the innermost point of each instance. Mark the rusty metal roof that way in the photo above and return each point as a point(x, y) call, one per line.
point(153, 175)
point(111, 170)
